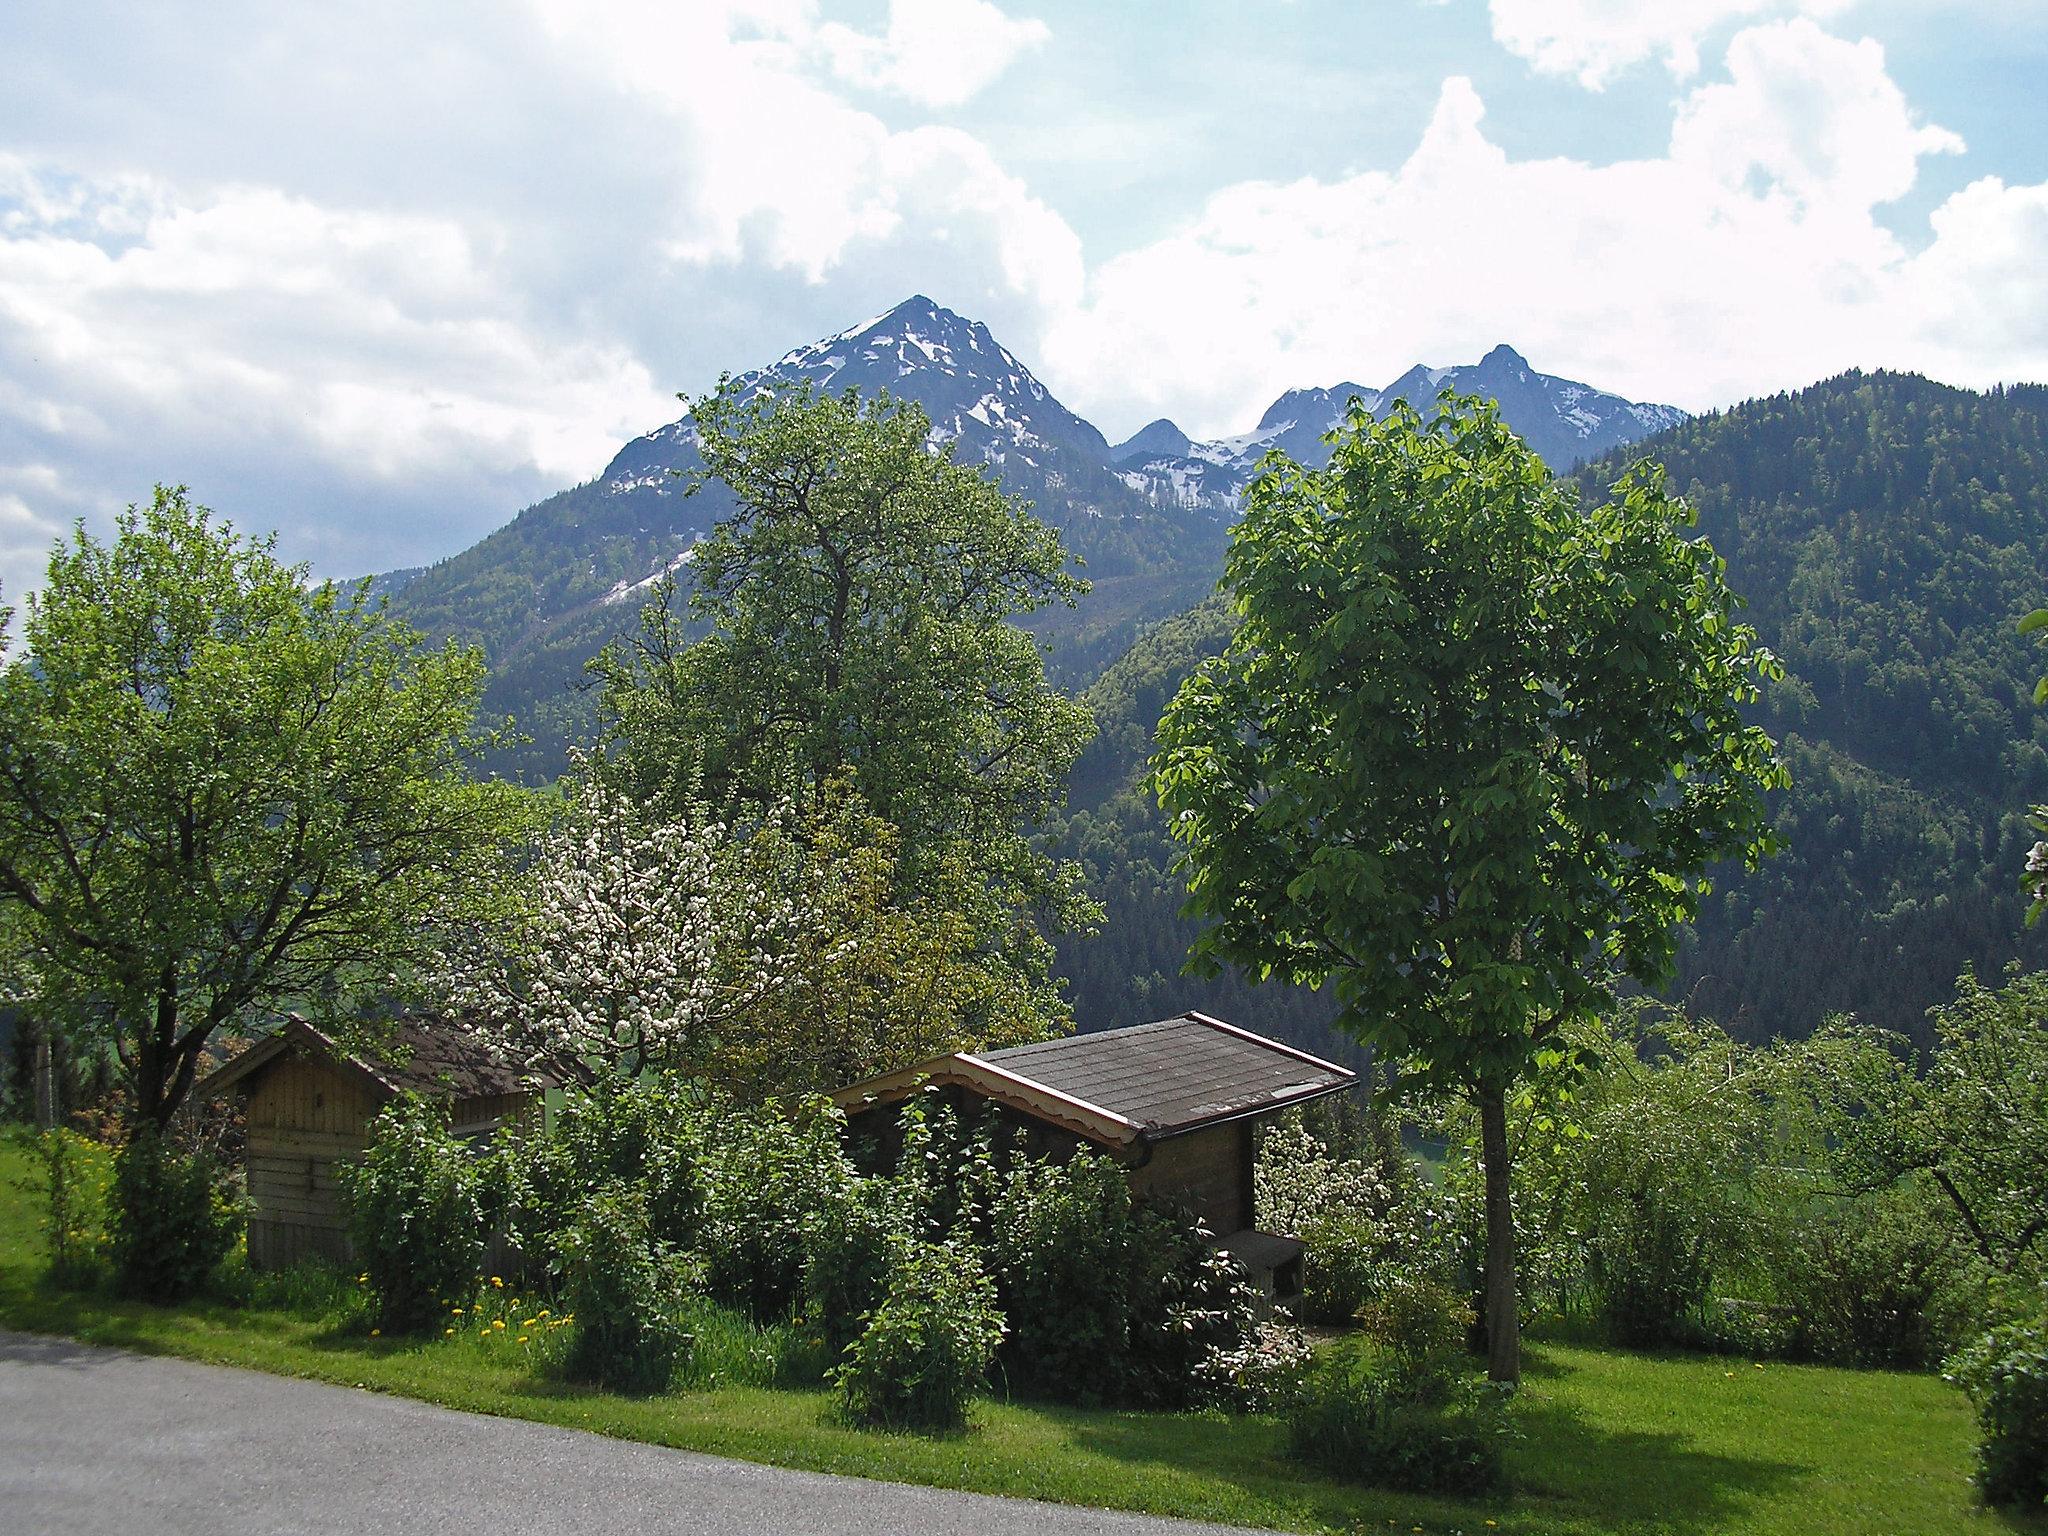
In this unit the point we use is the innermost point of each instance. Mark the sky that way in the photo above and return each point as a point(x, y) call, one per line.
point(378, 274)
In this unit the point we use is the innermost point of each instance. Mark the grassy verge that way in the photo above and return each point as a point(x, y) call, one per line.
point(1620, 1443)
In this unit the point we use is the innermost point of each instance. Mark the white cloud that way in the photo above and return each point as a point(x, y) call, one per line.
point(407, 271)
point(938, 52)
point(1596, 40)
point(370, 348)
point(1746, 258)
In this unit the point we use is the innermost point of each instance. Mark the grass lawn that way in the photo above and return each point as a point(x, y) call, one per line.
point(1614, 1442)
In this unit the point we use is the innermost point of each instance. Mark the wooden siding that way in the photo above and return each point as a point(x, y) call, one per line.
point(1206, 1171)
point(304, 1117)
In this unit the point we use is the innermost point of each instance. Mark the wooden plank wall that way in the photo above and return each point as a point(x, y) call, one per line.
point(304, 1117)
point(1204, 1171)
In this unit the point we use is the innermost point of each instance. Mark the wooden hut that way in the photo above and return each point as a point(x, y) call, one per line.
point(1177, 1102)
point(309, 1103)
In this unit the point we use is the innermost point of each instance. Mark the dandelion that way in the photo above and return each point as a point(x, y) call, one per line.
point(457, 1311)
point(498, 1281)
point(499, 1324)
point(447, 1333)
point(376, 1333)
point(521, 1339)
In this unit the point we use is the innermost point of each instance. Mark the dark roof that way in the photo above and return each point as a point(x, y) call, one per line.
point(1175, 1074)
point(416, 1052)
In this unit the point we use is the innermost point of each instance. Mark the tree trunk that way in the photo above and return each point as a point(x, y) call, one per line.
point(1503, 1328)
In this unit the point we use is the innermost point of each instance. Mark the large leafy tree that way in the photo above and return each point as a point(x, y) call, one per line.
point(850, 630)
point(223, 791)
point(1467, 758)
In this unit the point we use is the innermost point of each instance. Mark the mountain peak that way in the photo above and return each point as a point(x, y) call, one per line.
point(1155, 437)
point(1505, 356)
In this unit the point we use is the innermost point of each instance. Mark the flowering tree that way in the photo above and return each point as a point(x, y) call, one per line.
point(639, 941)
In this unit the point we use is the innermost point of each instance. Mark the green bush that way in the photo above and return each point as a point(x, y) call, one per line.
point(1872, 1287)
point(175, 1217)
point(415, 1214)
point(2006, 1375)
point(847, 1257)
point(1341, 1269)
point(619, 1285)
point(1397, 1404)
point(1059, 1246)
point(1185, 1304)
point(772, 1177)
point(1648, 1265)
point(928, 1345)
point(645, 1132)
point(74, 1189)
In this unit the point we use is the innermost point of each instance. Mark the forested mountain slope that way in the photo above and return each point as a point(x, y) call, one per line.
point(1888, 533)
point(545, 593)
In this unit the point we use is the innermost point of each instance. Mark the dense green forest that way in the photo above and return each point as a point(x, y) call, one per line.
point(1888, 533)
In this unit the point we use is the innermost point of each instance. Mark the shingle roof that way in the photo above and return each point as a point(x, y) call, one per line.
point(1174, 1074)
point(416, 1052)
point(1124, 1086)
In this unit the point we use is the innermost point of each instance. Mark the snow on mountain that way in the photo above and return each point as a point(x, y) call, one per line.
point(1564, 421)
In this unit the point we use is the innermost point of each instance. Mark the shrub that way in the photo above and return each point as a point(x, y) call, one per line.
point(1395, 1405)
point(1872, 1288)
point(1341, 1269)
point(645, 1132)
point(847, 1256)
point(415, 1214)
point(74, 1187)
point(770, 1177)
point(1263, 1374)
point(2006, 1374)
point(1059, 1245)
point(619, 1285)
point(928, 1345)
point(1185, 1302)
point(175, 1216)
point(1648, 1265)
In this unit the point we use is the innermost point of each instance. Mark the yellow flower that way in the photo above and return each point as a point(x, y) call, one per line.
point(457, 1311)
point(363, 1279)
point(447, 1333)
point(521, 1339)
point(529, 1322)
point(543, 1312)
point(498, 1281)
point(376, 1333)
point(499, 1324)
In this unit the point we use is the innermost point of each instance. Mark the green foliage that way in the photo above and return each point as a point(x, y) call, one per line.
point(1397, 1405)
point(847, 1257)
point(1875, 1285)
point(1975, 1121)
point(771, 1178)
point(646, 1132)
point(73, 1181)
point(1468, 756)
point(857, 606)
point(1471, 743)
point(619, 1286)
point(928, 1345)
point(222, 791)
point(2006, 1374)
point(175, 1217)
point(1108, 1299)
point(416, 1214)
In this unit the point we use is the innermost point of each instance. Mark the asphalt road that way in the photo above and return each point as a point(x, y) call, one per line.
point(100, 1441)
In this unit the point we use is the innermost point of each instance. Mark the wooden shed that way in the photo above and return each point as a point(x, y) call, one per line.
point(309, 1103)
point(1176, 1101)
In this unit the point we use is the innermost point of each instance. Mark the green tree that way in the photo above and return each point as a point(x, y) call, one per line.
point(1466, 757)
point(222, 791)
point(856, 626)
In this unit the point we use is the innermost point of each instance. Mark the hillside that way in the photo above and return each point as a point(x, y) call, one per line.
point(545, 593)
point(1887, 532)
